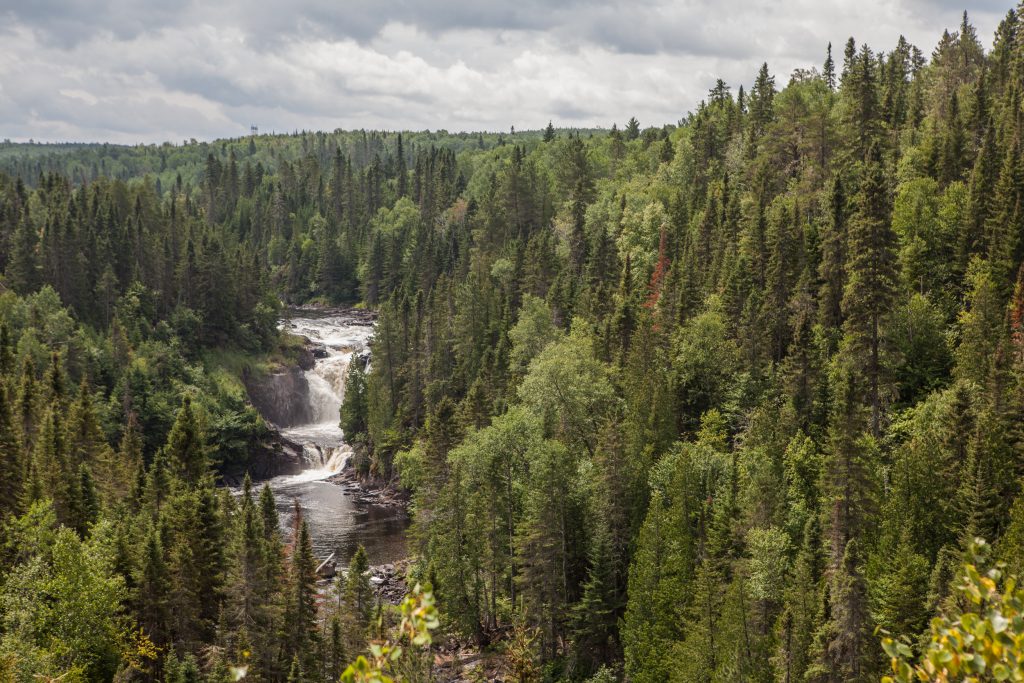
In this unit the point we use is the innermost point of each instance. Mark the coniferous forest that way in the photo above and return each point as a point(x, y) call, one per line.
point(726, 400)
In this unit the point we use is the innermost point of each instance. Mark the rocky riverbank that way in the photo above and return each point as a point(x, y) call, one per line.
point(370, 491)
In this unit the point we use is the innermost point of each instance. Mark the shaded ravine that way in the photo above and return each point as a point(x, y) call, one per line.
point(338, 522)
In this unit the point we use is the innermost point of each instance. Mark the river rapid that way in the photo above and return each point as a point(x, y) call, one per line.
point(338, 523)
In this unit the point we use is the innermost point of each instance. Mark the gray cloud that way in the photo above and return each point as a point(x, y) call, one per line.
point(123, 71)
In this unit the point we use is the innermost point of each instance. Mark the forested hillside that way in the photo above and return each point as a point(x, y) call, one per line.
point(704, 402)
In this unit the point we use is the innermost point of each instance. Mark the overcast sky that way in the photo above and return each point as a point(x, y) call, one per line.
point(130, 71)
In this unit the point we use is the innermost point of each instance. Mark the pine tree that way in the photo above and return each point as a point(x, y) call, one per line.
point(871, 286)
point(828, 71)
point(12, 466)
point(357, 597)
point(301, 637)
point(549, 133)
point(632, 129)
point(186, 447)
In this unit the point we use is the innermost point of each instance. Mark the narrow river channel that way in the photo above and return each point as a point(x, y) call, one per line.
point(337, 522)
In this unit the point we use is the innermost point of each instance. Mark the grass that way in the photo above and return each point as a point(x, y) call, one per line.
point(227, 367)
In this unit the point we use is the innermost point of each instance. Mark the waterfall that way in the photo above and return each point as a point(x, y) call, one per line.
point(324, 398)
point(336, 342)
point(307, 404)
point(329, 458)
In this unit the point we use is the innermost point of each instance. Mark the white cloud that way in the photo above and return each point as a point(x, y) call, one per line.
point(70, 70)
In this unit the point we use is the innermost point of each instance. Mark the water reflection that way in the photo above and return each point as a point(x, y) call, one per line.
point(338, 524)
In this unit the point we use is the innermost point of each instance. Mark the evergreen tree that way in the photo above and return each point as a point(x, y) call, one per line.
point(11, 464)
point(23, 270)
point(870, 287)
point(302, 636)
point(357, 597)
point(186, 447)
point(632, 129)
point(828, 71)
point(549, 133)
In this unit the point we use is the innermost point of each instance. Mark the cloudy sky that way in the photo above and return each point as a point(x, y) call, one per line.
point(132, 71)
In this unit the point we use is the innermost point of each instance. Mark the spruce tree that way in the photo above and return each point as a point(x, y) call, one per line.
point(632, 129)
point(828, 71)
point(760, 107)
point(357, 597)
point(186, 447)
point(336, 658)
point(87, 505)
point(301, 634)
point(12, 465)
point(1002, 229)
point(871, 285)
point(549, 133)
point(23, 270)
point(848, 656)
point(152, 587)
point(860, 91)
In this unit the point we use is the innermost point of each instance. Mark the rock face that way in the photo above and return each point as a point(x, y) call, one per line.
point(282, 398)
point(273, 457)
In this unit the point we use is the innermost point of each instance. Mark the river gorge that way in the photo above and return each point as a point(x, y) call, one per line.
point(304, 405)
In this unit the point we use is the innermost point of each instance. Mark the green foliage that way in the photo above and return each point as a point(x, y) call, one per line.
point(568, 389)
point(419, 618)
point(983, 641)
point(62, 610)
point(702, 402)
point(357, 596)
point(354, 408)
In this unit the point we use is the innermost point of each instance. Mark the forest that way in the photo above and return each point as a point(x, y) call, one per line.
point(730, 399)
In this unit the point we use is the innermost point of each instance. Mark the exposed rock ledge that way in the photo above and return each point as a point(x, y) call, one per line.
point(281, 397)
point(275, 456)
point(370, 491)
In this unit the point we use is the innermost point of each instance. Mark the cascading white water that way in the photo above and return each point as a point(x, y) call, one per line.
point(338, 521)
point(324, 447)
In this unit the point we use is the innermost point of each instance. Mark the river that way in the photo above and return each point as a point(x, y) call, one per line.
point(337, 522)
